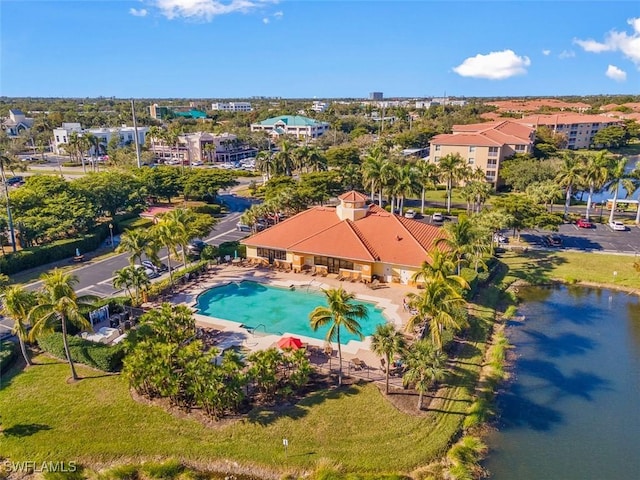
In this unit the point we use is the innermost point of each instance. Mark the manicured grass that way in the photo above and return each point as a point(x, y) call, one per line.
point(543, 267)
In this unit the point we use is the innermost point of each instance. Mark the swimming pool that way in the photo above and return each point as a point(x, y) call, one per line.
point(276, 310)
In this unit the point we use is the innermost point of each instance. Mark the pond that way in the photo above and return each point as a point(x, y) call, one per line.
point(572, 409)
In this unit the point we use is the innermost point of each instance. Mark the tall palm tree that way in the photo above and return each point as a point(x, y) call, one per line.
point(387, 342)
point(428, 177)
point(440, 269)
point(167, 234)
point(451, 169)
point(137, 243)
point(438, 304)
point(17, 304)
point(408, 183)
point(285, 158)
point(4, 163)
point(372, 171)
point(459, 238)
point(596, 175)
point(569, 176)
point(60, 304)
point(183, 220)
point(123, 279)
point(425, 365)
point(389, 180)
point(341, 313)
point(265, 163)
point(617, 175)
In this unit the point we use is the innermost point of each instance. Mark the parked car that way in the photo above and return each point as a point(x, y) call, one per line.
point(584, 223)
point(149, 272)
point(618, 226)
point(152, 266)
point(196, 246)
point(437, 217)
point(242, 227)
point(553, 241)
point(17, 180)
point(410, 213)
point(500, 238)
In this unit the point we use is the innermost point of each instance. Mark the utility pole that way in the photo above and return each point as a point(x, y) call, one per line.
point(9, 216)
point(135, 133)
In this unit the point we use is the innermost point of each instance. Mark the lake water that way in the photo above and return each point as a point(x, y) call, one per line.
point(572, 408)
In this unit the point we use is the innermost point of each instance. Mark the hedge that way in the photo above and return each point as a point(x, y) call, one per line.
point(210, 209)
point(231, 249)
point(103, 357)
point(58, 250)
point(8, 353)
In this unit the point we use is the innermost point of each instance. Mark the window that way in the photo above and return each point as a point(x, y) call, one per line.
point(491, 176)
point(436, 159)
point(333, 264)
point(492, 163)
point(438, 147)
point(471, 161)
point(472, 149)
point(272, 254)
point(57, 139)
point(493, 151)
point(520, 148)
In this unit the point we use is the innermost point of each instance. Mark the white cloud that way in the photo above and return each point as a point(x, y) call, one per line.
point(278, 14)
point(628, 45)
point(546, 52)
point(206, 9)
point(566, 54)
point(265, 20)
point(616, 74)
point(138, 13)
point(494, 65)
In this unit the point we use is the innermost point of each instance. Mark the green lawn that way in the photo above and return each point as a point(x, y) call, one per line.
point(570, 267)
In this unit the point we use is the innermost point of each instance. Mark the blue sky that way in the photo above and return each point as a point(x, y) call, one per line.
point(323, 49)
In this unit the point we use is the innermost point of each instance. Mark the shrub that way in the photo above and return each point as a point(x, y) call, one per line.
point(231, 249)
point(210, 209)
point(116, 304)
point(471, 277)
point(134, 223)
point(8, 353)
point(103, 357)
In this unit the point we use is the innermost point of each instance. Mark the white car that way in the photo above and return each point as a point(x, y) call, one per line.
point(148, 272)
point(410, 213)
point(437, 217)
point(618, 226)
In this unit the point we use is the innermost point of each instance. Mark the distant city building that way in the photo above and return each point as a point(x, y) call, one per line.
point(163, 112)
point(295, 125)
point(578, 129)
point(202, 147)
point(62, 134)
point(319, 106)
point(437, 101)
point(376, 96)
point(16, 123)
point(484, 145)
point(528, 106)
point(231, 106)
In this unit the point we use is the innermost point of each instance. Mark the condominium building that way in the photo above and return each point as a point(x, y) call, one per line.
point(16, 123)
point(294, 125)
point(484, 145)
point(162, 112)
point(231, 106)
point(376, 96)
point(578, 129)
point(127, 136)
point(319, 106)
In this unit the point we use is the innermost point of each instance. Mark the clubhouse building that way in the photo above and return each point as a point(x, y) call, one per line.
point(355, 240)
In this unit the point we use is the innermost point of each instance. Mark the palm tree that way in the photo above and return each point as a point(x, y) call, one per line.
point(265, 163)
point(60, 304)
point(439, 304)
point(596, 175)
point(183, 220)
point(5, 162)
point(425, 365)
point(387, 342)
point(123, 279)
point(408, 183)
point(137, 243)
point(440, 269)
point(17, 304)
point(167, 233)
point(427, 176)
point(372, 171)
point(285, 162)
point(451, 168)
point(341, 312)
point(459, 238)
point(617, 175)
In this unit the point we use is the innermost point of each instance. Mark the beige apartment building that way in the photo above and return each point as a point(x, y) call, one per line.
point(202, 147)
point(578, 129)
point(484, 145)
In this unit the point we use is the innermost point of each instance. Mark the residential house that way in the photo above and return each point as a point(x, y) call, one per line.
point(16, 123)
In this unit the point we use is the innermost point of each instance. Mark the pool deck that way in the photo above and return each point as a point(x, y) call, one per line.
point(389, 299)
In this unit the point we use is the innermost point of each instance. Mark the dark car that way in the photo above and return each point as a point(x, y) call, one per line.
point(553, 241)
point(196, 246)
point(584, 223)
point(17, 180)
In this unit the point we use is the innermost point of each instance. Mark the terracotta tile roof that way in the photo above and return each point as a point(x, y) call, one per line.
point(380, 236)
point(464, 139)
point(565, 119)
point(537, 104)
point(353, 196)
point(489, 134)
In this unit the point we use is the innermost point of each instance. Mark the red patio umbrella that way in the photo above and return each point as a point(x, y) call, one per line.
point(290, 342)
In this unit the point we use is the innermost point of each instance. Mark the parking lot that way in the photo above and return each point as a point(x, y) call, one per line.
point(600, 238)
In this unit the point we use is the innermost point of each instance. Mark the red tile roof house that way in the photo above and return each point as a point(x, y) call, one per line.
point(354, 240)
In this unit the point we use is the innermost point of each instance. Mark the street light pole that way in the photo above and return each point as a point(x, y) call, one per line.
point(111, 233)
point(135, 132)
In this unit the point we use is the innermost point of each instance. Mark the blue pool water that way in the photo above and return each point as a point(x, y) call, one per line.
point(276, 310)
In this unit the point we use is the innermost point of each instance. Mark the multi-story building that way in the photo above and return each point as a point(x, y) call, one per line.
point(162, 113)
point(231, 106)
point(16, 123)
point(527, 106)
point(319, 106)
point(578, 129)
point(376, 96)
point(295, 125)
point(127, 135)
point(202, 147)
point(484, 145)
